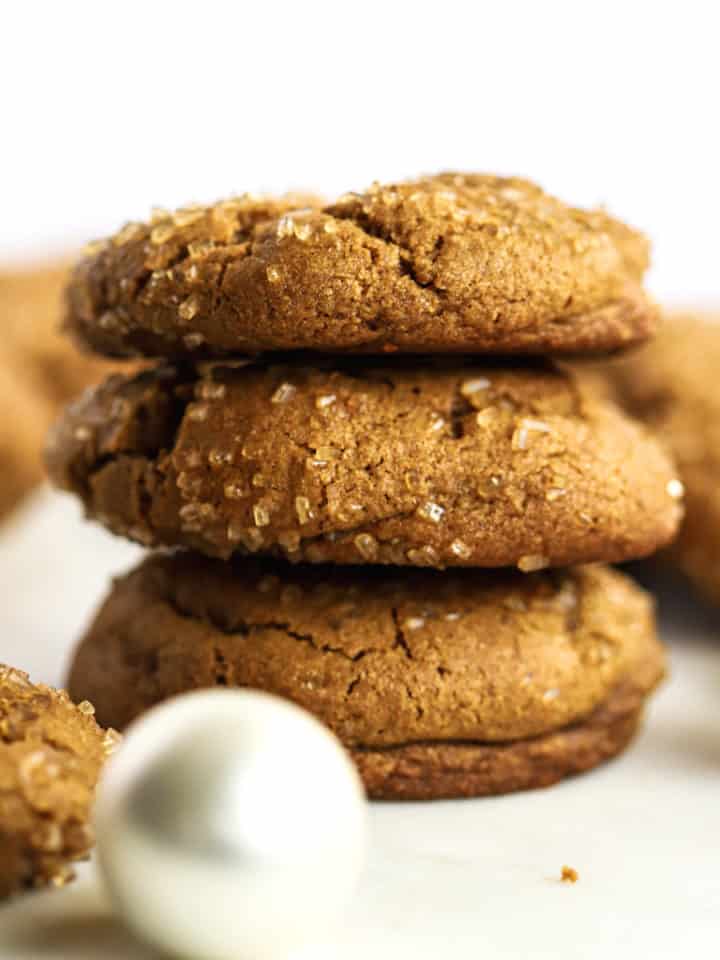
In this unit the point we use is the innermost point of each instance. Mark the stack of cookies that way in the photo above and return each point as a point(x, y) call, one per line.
point(381, 494)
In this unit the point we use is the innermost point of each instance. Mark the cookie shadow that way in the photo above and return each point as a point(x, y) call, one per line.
point(681, 608)
point(61, 924)
point(693, 747)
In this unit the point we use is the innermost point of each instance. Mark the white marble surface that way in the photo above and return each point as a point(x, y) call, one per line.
point(473, 879)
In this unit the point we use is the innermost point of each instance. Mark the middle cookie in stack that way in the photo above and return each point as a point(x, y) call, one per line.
point(440, 683)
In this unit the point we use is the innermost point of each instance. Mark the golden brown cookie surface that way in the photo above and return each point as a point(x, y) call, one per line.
point(391, 662)
point(435, 465)
point(672, 385)
point(51, 753)
point(453, 262)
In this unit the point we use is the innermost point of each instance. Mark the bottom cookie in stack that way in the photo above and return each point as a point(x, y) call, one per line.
point(461, 683)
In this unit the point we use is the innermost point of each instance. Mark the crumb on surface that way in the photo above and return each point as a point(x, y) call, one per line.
point(569, 874)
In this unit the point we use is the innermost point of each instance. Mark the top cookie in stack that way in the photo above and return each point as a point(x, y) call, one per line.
point(249, 437)
point(455, 263)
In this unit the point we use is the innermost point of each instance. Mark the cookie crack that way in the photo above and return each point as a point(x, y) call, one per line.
point(400, 638)
point(239, 245)
point(406, 265)
point(460, 408)
point(148, 456)
point(221, 668)
point(218, 285)
point(419, 710)
point(245, 628)
point(182, 255)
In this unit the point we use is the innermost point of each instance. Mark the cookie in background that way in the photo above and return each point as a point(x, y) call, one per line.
point(673, 385)
point(39, 372)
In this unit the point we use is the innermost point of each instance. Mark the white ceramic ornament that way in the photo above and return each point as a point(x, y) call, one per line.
point(230, 824)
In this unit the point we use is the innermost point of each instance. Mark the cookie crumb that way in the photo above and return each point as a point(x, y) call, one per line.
point(569, 874)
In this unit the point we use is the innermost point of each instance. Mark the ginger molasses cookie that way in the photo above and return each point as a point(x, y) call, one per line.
point(452, 262)
point(33, 345)
point(467, 682)
point(51, 753)
point(673, 386)
point(39, 372)
point(22, 437)
point(436, 464)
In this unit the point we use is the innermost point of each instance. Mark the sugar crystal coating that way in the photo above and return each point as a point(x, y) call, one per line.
point(532, 561)
point(189, 308)
point(261, 515)
point(302, 506)
point(461, 549)
point(219, 458)
point(431, 511)
point(470, 387)
point(366, 546)
point(283, 393)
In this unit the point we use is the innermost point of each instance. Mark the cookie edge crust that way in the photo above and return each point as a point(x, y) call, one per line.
point(446, 771)
point(613, 328)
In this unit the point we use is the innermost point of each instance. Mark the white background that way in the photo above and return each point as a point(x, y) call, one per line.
point(109, 108)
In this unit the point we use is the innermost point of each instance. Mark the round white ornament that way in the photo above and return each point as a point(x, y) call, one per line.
point(230, 824)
